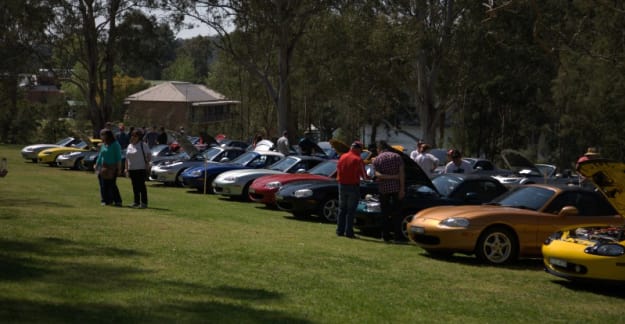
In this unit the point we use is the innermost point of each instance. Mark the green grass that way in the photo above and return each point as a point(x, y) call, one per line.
point(200, 258)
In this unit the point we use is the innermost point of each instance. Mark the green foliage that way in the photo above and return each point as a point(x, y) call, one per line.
point(181, 69)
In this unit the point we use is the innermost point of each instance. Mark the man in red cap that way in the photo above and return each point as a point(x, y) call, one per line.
point(349, 170)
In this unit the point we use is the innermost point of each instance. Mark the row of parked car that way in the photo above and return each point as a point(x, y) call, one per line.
point(578, 232)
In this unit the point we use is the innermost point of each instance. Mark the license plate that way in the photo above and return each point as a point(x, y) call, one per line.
point(417, 229)
point(558, 262)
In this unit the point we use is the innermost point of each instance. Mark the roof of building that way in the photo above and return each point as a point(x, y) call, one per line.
point(175, 91)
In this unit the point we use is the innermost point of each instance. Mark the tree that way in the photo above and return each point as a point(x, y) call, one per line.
point(144, 45)
point(268, 32)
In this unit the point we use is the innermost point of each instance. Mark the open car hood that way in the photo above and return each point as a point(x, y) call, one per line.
point(414, 173)
point(609, 176)
point(515, 161)
point(186, 145)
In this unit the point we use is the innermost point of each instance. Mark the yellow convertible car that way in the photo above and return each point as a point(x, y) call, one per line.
point(49, 156)
point(594, 251)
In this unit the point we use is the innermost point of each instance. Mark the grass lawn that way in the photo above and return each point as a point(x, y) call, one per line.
point(201, 258)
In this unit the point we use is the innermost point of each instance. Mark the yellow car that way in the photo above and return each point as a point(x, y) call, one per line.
point(594, 251)
point(49, 156)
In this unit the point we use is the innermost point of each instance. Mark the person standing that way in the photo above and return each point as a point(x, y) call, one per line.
point(389, 173)
point(425, 160)
point(109, 164)
point(591, 153)
point(349, 170)
point(282, 145)
point(122, 138)
point(457, 164)
point(162, 137)
point(137, 159)
point(151, 137)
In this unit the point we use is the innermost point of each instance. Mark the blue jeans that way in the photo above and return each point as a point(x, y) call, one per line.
point(348, 202)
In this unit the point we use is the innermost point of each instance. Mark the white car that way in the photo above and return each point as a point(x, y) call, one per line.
point(236, 183)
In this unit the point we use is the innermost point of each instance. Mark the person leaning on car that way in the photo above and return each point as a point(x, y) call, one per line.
point(389, 173)
point(349, 170)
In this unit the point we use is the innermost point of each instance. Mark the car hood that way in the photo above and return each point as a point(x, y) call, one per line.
point(414, 174)
point(39, 147)
point(609, 177)
point(472, 212)
point(289, 177)
point(250, 172)
point(516, 162)
point(63, 149)
point(186, 145)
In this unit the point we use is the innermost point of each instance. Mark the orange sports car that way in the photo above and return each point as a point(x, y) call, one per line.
point(513, 225)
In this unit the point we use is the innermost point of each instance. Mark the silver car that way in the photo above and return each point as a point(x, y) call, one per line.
point(72, 160)
point(169, 172)
point(236, 183)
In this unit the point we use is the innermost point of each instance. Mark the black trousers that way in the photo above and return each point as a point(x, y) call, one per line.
point(137, 177)
point(391, 211)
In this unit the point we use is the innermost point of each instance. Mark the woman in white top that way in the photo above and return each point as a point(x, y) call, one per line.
point(137, 162)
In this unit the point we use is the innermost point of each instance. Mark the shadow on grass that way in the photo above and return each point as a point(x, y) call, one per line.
point(521, 264)
point(60, 265)
point(29, 202)
point(610, 289)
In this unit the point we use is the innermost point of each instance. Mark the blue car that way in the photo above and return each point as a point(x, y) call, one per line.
point(202, 177)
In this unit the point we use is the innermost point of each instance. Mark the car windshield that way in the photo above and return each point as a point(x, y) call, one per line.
point(209, 154)
point(327, 168)
point(532, 198)
point(245, 158)
point(81, 145)
point(65, 141)
point(284, 164)
point(445, 184)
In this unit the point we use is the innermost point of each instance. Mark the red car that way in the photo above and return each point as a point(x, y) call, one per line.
point(263, 189)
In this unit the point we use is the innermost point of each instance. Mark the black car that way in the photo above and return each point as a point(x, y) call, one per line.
point(445, 189)
point(321, 197)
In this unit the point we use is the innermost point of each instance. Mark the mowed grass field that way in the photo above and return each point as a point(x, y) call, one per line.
point(193, 258)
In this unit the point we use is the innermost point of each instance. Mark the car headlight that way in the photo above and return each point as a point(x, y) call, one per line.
point(455, 222)
point(229, 179)
point(196, 173)
point(373, 207)
point(72, 154)
point(609, 249)
point(303, 193)
point(273, 185)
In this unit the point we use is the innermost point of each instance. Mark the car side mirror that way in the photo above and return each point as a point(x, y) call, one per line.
point(300, 171)
point(568, 211)
point(224, 159)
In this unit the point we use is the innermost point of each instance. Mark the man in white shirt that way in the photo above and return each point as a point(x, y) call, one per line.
point(457, 164)
point(425, 160)
point(282, 145)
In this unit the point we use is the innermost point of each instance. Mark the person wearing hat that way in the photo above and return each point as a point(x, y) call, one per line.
point(457, 164)
point(591, 153)
point(349, 170)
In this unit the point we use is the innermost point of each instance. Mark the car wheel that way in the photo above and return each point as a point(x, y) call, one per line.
point(400, 227)
point(330, 209)
point(497, 245)
point(33, 160)
point(80, 166)
point(178, 181)
point(245, 193)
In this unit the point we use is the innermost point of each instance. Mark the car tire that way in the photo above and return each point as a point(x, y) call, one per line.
point(79, 165)
point(178, 181)
point(329, 210)
point(245, 193)
point(400, 226)
point(497, 245)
